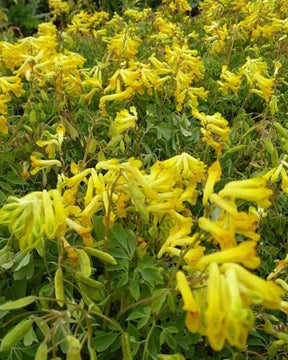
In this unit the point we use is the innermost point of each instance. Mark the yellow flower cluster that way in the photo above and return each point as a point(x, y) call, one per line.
point(218, 291)
point(178, 6)
point(218, 305)
point(221, 310)
point(58, 7)
point(255, 71)
point(156, 61)
point(84, 23)
point(123, 188)
point(9, 85)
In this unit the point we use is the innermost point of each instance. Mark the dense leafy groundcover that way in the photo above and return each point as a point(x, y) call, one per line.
point(143, 182)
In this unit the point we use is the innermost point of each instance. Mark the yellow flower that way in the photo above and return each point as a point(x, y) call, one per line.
point(11, 84)
point(50, 226)
point(215, 129)
point(190, 303)
point(47, 28)
point(225, 237)
point(254, 189)
point(178, 235)
point(112, 164)
point(3, 125)
point(193, 321)
point(4, 98)
point(123, 95)
point(256, 73)
point(76, 179)
point(60, 214)
point(58, 7)
point(40, 164)
point(214, 314)
point(186, 166)
point(214, 175)
point(34, 216)
point(259, 291)
point(265, 85)
point(228, 206)
point(231, 81)
point(122, 45)
point(243, 253)
point(239, 318)
point(60, 129)
point(124, 120)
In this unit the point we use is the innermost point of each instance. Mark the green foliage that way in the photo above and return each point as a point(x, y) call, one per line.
point(25, 15)
point(118, 299)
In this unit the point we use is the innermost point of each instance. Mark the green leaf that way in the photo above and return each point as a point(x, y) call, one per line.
point(17, 304)
point(104, 340)
point(157, 304)
point(21, 261)
point(134, 289)
point(135, 315)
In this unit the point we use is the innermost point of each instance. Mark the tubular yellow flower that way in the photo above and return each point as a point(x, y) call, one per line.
point(60, 214)
point(214, 175)
point(193, 320)
point(93, 206)
point(76, 179)
point(226, 238)
point(40, 164)
point(252, 190)
point(229, 207)
point(243, 253)
point(214, 313)
point(112, 164)
point(3, 125)
point(239, 317)
point(123, 95)
point(264, 291)
point(176, 234)
point(190, 303)
point(50, 222)
point(77, 227)
point(124, 120)
point(231, 81)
